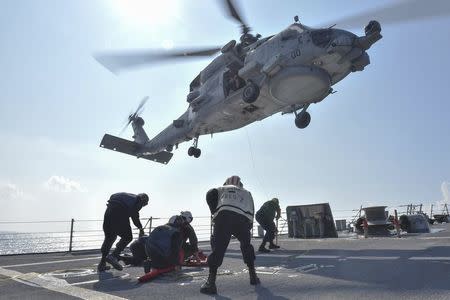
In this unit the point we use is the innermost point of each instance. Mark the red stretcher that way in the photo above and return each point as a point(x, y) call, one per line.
point(191, 261)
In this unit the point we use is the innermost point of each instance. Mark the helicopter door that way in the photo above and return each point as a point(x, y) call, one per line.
point(231, 82)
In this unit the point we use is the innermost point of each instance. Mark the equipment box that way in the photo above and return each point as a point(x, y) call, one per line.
point(311, 221)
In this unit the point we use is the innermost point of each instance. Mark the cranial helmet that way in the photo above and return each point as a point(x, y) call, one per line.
point(187, 216)
point(275, 200)
point(234, 180)
point(143, 198)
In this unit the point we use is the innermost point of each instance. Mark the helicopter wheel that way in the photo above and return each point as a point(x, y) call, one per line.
point(250, 93)
point(191, 151)
point(302, 120)
point(197, 153)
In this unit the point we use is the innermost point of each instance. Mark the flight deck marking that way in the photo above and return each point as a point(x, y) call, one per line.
point(429, 258)
point(318, 256)
point(374, 257)
point(51, 262)
point(261, 255)
point(56, 285)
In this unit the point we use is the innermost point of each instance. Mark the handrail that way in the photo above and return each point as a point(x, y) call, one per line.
point(88, 233)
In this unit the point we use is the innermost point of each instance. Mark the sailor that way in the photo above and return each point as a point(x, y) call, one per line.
point(120, 208)
point(264, 216)
point(185, 232)
point(232, 211)
point(188, 233)
point(163, 245)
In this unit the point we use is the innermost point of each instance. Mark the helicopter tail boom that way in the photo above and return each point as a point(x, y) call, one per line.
point(132, 148)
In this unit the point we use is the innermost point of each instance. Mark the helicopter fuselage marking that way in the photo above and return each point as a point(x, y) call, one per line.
point(295, 53)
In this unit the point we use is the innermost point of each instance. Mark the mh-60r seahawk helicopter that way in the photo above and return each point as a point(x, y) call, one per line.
point(254, 79)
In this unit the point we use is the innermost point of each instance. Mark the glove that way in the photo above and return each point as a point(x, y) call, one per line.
point(196, 257)
point(141, 232)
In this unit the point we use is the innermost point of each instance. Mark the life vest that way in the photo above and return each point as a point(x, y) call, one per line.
point(160, 241)
point(235, 199)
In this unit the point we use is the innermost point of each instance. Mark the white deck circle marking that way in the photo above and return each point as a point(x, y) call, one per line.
point(56, 285)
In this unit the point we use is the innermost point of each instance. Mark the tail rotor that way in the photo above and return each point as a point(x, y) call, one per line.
point(133, 117)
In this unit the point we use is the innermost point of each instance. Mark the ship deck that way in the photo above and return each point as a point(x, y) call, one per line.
point(416, 266)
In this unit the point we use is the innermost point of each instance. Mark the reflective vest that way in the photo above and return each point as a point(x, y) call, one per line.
point(235, 199)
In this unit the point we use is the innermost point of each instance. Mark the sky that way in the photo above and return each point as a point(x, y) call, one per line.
point(382, 139)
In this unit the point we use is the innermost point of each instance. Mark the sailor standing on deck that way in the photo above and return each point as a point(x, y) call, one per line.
point(232, 210)
point(265, 216)
point(120, 208)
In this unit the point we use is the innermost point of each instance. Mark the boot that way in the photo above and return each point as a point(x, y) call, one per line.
point(263, 249)
point(273, 246)
point(209, 287)
point(102, 267)
point(147, 266)
point(111, 259)
point(254, 280)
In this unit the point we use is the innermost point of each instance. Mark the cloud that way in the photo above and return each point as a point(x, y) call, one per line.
point(9, 191)
point(62, 184)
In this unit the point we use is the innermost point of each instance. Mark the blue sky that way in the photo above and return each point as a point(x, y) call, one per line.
point(382, 139)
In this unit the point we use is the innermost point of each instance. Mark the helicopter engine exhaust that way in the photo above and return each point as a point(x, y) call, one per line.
point(372, 31)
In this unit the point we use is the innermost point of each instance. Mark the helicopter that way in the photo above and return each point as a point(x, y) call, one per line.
point(256, 77)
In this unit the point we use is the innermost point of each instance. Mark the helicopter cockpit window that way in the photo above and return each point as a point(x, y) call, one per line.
point(321, 37)
point(293, 31)
point(289, 34)
point(297, 27)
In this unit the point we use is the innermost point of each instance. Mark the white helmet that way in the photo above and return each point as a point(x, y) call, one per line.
point(187, 216)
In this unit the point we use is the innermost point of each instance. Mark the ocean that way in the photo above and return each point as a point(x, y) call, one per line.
point(54, 236)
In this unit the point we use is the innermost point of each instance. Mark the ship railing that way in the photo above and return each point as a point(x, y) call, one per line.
point(47, 236)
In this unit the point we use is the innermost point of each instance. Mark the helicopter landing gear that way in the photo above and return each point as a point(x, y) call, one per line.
point(303, 118)
point(194, 151)
point(250, 93)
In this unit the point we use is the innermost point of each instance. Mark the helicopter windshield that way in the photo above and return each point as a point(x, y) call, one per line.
point(293, 31)
point(298, 27)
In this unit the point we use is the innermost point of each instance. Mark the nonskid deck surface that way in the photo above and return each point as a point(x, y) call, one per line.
point(412, 267)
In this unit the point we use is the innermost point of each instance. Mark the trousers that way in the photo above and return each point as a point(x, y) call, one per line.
point(269, 226)
point(226, 224)
point(115, 223)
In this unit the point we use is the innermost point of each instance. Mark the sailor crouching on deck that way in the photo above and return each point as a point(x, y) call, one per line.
point(264, 216)
point(120, 208)
point(232, 208)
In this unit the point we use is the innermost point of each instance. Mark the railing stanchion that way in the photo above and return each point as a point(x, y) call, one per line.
point(150, 224)
point(71, 235)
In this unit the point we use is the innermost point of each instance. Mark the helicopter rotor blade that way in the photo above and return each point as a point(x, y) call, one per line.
point(140, 107)
point(128, 122)
point(135, 114)
point(233, 12)
point(118, 61)
point(403, 11)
